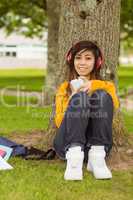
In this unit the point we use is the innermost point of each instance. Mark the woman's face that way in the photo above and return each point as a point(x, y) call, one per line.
point(84, 62)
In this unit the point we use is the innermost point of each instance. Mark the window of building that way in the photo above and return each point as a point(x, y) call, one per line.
point(10, 54)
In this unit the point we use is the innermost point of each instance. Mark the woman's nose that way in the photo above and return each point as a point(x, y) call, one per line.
point(82, 61)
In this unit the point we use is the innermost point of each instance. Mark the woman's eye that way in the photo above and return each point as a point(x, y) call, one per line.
point(88, 58)
point(77, 57)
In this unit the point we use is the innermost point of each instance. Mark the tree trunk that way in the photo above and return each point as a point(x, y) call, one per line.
point(90, 20)
point(53, 10)
point(96, 21)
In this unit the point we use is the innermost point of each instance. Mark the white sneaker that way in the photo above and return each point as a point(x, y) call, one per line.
point(74, 166)
point(96, 163)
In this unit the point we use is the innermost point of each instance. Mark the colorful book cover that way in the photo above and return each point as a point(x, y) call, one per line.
point(2, 153)
point(8, 151)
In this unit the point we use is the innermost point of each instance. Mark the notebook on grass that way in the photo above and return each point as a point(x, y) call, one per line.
point(8, 151)
point(4, 165)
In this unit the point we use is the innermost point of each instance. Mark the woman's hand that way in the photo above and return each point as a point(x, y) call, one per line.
point(74, 90)
point(85, 87)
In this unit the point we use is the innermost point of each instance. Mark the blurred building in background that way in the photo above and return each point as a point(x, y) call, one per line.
point(126, 60)
point(17, 51)
point(126, 55)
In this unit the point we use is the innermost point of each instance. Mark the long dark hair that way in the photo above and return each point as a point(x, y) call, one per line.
point(83, 45)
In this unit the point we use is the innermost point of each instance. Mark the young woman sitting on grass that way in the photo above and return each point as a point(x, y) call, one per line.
point(84, 112)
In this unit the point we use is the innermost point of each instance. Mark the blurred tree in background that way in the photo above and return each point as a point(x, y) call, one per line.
point(126, 36)
point(127, 20)
point(27, 17)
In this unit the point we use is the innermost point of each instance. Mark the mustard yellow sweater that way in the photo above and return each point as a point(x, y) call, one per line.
point(62, 100)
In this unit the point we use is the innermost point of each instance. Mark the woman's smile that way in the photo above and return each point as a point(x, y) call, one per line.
point(83, 68)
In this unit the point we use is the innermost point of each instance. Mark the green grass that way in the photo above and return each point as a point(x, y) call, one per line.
point(128, 118)
point(125, 82)
point(125, 78)
point(33, 79)
point(23, 116)
point(20, 100)
point(23, 83)
point(43, 180)
point(22, 72)
point(24, 79)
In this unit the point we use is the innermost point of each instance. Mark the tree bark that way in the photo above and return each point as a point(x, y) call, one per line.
point(96, 21)
point(53, 11)
point(90, 20)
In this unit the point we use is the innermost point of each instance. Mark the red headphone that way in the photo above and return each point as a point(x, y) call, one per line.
point(99, 62)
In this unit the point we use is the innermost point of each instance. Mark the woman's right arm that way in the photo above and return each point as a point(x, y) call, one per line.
point(61, 103)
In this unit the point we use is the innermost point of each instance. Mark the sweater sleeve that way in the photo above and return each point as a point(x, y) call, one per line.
point(109, 87)
point(61, 103)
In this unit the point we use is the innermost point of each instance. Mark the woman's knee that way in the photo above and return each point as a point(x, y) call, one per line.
point(101, 97)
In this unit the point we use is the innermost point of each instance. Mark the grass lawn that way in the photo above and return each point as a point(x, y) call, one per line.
point(125, 78)
point(33, 79)
point(43, 180)
point(25, 79)
point(25, 115)
point(128, 118)
point(22, 117)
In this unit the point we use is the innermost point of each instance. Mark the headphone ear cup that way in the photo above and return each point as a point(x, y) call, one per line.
point(69, 53)
point(99, 62)
point(69, 56)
